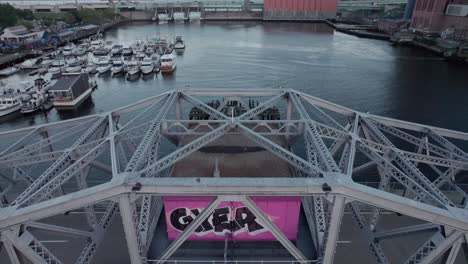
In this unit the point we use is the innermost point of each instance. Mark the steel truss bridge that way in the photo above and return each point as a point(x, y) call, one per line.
point(49, 169)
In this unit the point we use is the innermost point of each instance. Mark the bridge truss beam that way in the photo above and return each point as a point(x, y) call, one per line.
point(124, 145)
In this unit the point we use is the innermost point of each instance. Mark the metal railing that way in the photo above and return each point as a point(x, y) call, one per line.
point(153, 261)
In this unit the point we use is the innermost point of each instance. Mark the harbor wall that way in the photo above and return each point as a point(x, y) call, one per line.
point(232, 219)
point(137, 15)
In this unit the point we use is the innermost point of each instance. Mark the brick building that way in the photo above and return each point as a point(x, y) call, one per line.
point(299, 9)
point(436, 16)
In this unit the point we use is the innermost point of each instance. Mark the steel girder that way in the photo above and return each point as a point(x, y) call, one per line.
point(333, 163)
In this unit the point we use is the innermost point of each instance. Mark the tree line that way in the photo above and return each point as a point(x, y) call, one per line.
point(10, 16)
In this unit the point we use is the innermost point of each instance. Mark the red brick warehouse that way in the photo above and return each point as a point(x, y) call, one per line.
point(435, 16)
point(299, 9)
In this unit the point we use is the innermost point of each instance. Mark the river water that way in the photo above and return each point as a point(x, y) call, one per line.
point(363, 74)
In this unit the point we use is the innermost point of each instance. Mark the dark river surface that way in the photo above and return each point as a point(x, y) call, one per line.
point(363, 74)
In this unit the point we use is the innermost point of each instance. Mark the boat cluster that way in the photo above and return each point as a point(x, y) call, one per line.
point(29, 100)
point(141, 57)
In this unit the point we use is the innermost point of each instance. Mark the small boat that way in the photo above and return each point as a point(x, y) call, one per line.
point(147, 66)
point(116, 50)
point(67, 51)
point(79, 52)
point(127, 51)
point(57, 67)
point(9, 71)
point(47, 62)
point(75, 65)
point(35, 102)
point(133, 68)
point(91, 68)
point(150, 48)
point(168, 62)
point(29, 64)
point(138, 46)
point(117, 67)
point(108, 45)
point(9, 103)
point(179, 43)
point(103, 65)
point(101, 52)
point(140, 55)
point(95, 44)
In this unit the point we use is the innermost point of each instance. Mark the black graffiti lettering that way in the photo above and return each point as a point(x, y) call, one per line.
point(205, 225)
point(179, 219)
point(234, 226)
point(221, 220)
point(245, 218)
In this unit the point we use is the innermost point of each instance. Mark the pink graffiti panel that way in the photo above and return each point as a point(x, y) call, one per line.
point(232, 219)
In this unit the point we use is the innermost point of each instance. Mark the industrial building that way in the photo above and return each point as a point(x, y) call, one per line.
point(439, 16)
point(299, 9)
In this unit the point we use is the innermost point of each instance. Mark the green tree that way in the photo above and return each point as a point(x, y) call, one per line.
point(7, 16)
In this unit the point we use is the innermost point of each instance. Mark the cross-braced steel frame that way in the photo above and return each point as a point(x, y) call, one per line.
point(52, 168)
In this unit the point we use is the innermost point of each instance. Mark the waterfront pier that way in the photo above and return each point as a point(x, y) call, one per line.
point(240, 183)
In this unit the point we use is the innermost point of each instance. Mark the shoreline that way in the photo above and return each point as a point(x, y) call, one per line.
point(357, 30)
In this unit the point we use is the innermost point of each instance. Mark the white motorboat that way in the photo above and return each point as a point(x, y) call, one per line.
point(116, 50)
point(147, 66)
point(91, 68)
point(127, 51)
point(103, 65)
point(75, 65)
point(138, 46)
point(117, 67)
point(57, 67)
point(29, 64)
point(140, 55)
point(108, 45)
point(168, 62)
point(150, 48)
point(56, 70)
point(9, 103)
point(9, 71)
point(179, 43)
point(95, 44)
point(35, 102)
point(79, 52)
point(133, 68)
point(67, 51)
point(47, 62)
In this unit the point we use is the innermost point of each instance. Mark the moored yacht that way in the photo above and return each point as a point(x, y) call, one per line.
point(9, 103)
point(103, 65)
point(179, 43)
point(9, 71)
point(35, 102)
point(147, 66)
point(67, 50)
point(116, 50)
point(127, 51)
point(133, 68)
point(57, 67)
point(29, 64)
point(91, 68)
point(75, 65)
point(117, 67)
point(95, 44)
point(168, 62)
